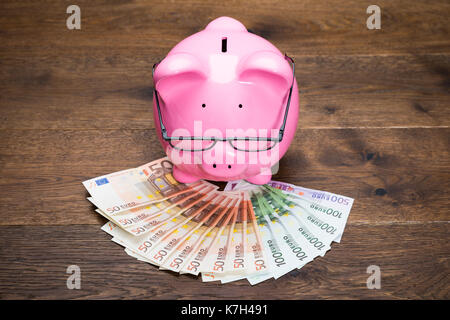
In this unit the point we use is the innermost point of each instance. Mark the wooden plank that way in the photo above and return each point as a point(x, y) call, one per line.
point(394, 174)
point(113, 89)
point(413, 259)
point(307, 27)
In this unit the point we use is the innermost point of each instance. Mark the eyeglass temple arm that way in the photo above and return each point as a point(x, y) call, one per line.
point(281, 133)
point(163, 128)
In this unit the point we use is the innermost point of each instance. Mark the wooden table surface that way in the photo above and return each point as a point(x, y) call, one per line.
point(374, 125)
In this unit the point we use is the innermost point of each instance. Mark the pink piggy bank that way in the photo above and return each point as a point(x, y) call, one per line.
point(225, 104)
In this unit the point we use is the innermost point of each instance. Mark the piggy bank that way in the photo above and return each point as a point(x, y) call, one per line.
point(225, 104)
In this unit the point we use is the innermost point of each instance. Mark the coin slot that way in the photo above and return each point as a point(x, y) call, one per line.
point(224, 44)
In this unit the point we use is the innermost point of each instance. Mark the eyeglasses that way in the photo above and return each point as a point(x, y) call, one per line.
point(247, 144)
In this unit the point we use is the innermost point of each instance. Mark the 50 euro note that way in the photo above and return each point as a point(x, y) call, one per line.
point(256, 265)
point(236, 257)
point(140, 220)
point(167, 227)
point(124, 239)
point(129, 251)
point(214, 260)
point(126, 189)
point(118, 237)
point(201, 248)
point(121, 238)
point(191, 240)
point(132, 253)
point(231, 264)
point(193, 221)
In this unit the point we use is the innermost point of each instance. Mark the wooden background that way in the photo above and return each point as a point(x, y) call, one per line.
point(374, 125)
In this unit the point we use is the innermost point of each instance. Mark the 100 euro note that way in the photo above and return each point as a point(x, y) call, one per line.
point(322, 207)
point(278, 262)
point(293, 211)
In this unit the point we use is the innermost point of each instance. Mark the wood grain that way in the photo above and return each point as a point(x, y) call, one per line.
point(391, 175)
point(112, 90)
point(413, 259)
point(308, 27)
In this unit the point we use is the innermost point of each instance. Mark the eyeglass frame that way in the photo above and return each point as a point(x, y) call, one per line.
point(215, 139)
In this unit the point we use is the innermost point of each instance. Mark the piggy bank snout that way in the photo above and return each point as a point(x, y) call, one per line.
point(223, 169)
point(222, 161)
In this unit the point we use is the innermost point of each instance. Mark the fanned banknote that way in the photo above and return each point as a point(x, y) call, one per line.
point(244, 232)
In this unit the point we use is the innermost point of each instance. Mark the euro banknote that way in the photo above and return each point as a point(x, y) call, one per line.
point(246, 231)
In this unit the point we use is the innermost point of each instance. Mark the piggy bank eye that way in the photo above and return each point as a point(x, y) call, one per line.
point(240, 106)
point(203, 105)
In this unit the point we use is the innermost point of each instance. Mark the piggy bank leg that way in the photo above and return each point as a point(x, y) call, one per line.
point(183, 177)
point(260, 178)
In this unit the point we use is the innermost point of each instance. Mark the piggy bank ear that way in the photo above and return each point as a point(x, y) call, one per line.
point(177, 73)
point(268, 69)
